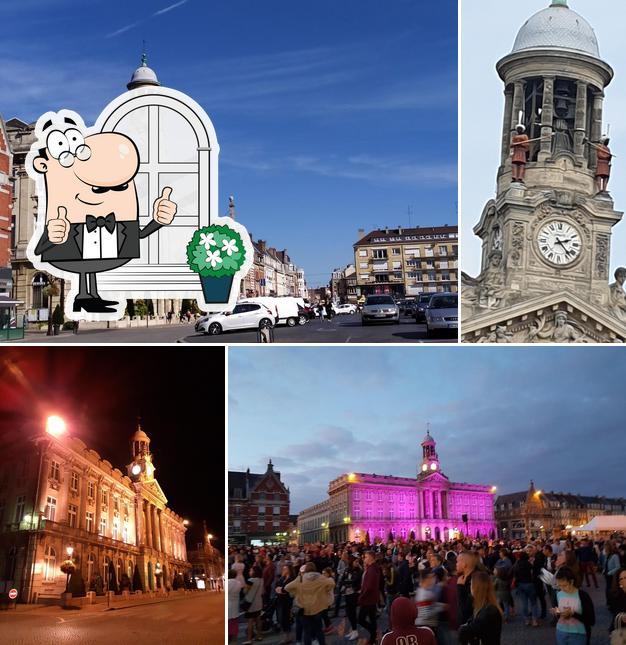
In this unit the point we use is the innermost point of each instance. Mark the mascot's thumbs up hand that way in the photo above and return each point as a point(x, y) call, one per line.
point(59, 228)
point(164, 209)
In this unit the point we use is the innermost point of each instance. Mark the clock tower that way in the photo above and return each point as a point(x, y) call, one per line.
point(430, 459)
point(546, 237)
point(141, 467)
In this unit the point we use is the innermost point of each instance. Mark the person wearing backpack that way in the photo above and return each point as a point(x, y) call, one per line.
point(575, 611)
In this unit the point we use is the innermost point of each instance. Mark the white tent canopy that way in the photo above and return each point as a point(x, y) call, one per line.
point(605, 523)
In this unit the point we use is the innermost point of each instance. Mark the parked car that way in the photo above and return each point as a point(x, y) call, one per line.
point(410, 308)
point(248, 315)
point(345, 309)
point(421, 305)
point(442, 312)
point(284, 308)
point(380, 309)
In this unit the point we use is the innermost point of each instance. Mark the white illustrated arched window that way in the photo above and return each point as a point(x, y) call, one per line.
point(177, 148)
point(49, 563)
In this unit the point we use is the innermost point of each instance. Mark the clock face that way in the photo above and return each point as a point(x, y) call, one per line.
point(559, 242)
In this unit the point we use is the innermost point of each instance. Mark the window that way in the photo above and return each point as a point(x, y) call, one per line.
point(71, 515)
point(429, 252)
point(396, 251)
point(49, 563)
point(382, 277)
point(414, 252)
point(445, 277)
point(362, 253)
point(55, 470)
point(104, 498)
point(237, 523)
point(276, 524)
point(74, 482)
point(430, 264)
point(379, 254)
point(89, 521)
point(103, 525)
point(415, 275)
point(237, 511)
point(398, 275)
point(431, 276)
point(116, 504)
point(126, 508)
point(19, 508)
point(261, 510)
point(40, 282)
point(51, 508)
point(365, 276)
point(90, 562)
point(91, 490)
point(116, 529)
point(125, 532)
point(397, 265)
point(363, 265)
point(443, 264)
point(276, 510)
point(443, 250)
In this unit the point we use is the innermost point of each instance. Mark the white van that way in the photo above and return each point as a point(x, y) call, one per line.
point(284, 308)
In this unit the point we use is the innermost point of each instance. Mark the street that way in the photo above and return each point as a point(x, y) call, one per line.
point(192, 620)
point(514, 632)
point(342, 329)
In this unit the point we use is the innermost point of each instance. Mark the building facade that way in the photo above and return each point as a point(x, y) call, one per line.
point(429, 506)
point(56, 493)
point(406, 262)
point(207, 563)
point(258, 506)
point(6, 197)
point(546, 237)
point(537, 514)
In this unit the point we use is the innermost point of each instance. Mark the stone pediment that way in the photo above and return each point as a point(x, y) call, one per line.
point(153, 489)
point(433, 478)
point(561, 317)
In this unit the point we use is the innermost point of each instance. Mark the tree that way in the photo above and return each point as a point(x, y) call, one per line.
point(57, 318)
point(137, 584)
point(390, 537)
point(367, 538)
point(150, 305)
point(141, 308)
point(412, 535)
point(130, 308)
point(48, 292)
point(112, 578)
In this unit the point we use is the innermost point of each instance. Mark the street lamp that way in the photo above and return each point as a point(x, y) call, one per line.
point(68, 567)
point(55, 426)
point(185, 522)
point(494, 489)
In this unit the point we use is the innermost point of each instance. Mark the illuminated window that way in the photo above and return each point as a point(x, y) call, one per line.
point(104, 497)
point(103, 526)
point(49, 563)
point(55, 470)
point(276, 510)
point(74, 482)
point(71, 515)
point(116, 504)
point(91, 490)
point(90, 564)
point(51, 508)
point(115, 530)
point(89, 521)
point(125, 532)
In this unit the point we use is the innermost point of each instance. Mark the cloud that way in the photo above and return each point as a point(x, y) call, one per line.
point(131, 25)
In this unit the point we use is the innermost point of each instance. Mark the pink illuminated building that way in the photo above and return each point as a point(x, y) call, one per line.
point(428, 506)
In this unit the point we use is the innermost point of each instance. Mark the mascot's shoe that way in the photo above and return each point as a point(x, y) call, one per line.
point(93, 305)
point(106, 303)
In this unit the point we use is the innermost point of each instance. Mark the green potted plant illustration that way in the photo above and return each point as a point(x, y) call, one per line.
point(216, 253)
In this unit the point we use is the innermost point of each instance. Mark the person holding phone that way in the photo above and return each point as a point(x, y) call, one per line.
point(575, 611)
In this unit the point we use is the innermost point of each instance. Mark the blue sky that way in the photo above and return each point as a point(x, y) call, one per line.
point(482, 108)
point(331, 115)
point(499, 416)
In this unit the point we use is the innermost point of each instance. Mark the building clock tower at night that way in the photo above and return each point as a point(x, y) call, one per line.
point(546, 236)
point(141, 468)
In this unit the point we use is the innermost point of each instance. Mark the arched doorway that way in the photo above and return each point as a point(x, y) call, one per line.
point(437, 533)
point(39, 283)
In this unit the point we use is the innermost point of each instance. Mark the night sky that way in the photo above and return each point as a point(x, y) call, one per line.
point(100, 392)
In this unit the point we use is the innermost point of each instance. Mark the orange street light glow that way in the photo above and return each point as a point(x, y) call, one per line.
point(55, 426)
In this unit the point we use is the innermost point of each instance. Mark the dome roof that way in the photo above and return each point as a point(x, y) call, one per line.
point(428, 438)
point(140, 435)
point(557, 27)
point(143, 75)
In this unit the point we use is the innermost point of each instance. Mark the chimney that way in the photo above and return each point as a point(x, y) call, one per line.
point(231, 207)
point(399, 230)
point(386, 230)
point(360, 234)
point(261, 245)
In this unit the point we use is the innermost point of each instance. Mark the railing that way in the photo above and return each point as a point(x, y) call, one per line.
point(12, 333)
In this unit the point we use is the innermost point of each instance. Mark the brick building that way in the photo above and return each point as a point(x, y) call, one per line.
point(258, 506)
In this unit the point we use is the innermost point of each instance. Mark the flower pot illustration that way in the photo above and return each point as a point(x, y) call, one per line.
point(216, 253)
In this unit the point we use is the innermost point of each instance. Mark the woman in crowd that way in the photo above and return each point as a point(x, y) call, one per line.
point(575, 612)
point(617, 601)
point(253, 604)
point(485, 626)
point(350, 586)
point(610, 567)
point(284, 602)
point(234, 588)
point(502, 585)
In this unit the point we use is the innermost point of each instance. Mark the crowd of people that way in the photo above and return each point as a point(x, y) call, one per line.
point(426, 593)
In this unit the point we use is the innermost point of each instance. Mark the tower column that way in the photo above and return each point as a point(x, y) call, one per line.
point(596, 123)
point(581, 120)
point(148, 523)
point(547, 118)
point(161, 537)
point(518, 104)
point(506, 126)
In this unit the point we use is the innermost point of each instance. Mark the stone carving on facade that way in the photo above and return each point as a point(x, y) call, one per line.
point(560, 330)
point(617, 296)
point(491, 288)
point(602, 256)
point(499, 335)
point(517, 244)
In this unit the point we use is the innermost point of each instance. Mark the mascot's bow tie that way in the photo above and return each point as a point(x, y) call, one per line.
point(108, 222)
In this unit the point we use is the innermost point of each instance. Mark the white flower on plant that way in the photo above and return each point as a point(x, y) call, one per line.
point(230, 246)
point(213, 258)
point(207, 240)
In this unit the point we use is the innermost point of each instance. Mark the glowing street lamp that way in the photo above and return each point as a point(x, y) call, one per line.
point(185, 522)
point(494, 489)
point(351, 477)
point(55, 426)
point(68, 567)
